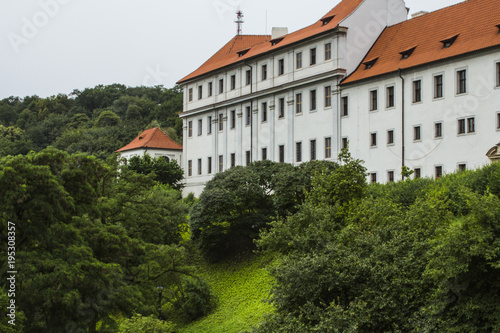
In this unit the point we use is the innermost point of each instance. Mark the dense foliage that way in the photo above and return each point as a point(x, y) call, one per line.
point(165, 172)
point(238, 203)
point(93, 243)
point(413, 256)
point(96, 120)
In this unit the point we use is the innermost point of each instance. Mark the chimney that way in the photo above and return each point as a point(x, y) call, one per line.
point(420, 13)
point(279, 32)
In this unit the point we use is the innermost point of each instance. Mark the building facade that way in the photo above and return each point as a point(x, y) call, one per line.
point(363, 76)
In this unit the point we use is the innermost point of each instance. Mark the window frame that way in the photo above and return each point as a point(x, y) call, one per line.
point(312, 150)
point(248, 157)
point(497, 74)
point(471, 125)
point(210, 89)
point(438, 130)
point(328, 97)
point(345, 142)
point(221, 86)
point(248, 116)
point(344, 102)
point(328, 51)
point(200, 92)
point(417, 91)
point(281, 66)
point(373, 140)
point(438, 171)
point(264, 112)
point(298, 103)
point(417, 133)
point(373, 94)
point(281, 108)
point(200, 127)
point(263, 153)
point(263, 73)
point(232, 82)
point(209, 125)
point(390, 137)
point(248, 77)
point(298, 60)
point(190, 168)
point(312, 56)
point(233, 160)
point(417, 172)
point(200, 171)
point(221, 163)
point(313, 100)
point(461, 81)
point(221, 122)
point(281, 153)
point(373, 177)
point(298, 151)
point(390, 102)
point(209, 165)
point(390, 176)
point(190, 129)
point(438, 87)
point(232, 119)
point(328, 147)
point(190, 94)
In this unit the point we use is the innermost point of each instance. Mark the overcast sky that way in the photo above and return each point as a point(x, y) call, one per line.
point(54, 46)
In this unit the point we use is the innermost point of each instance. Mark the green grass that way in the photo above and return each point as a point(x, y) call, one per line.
point(242, 288)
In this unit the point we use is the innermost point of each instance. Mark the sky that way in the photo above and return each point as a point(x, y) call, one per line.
point(55, 46)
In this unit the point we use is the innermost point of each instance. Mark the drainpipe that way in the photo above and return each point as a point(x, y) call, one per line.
point(400, 72)
point(251, 111)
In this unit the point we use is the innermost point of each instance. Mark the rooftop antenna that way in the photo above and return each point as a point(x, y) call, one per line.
point(239, 21)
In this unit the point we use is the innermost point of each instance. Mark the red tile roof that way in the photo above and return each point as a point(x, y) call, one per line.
point(474, 21)
point(259, 45)
point(153, 138)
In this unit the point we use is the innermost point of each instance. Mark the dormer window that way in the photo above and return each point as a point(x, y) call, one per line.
point(242, 53)
point(276, 41)
point(407, 53)
point(369, 64)
point(449, 42)
point(327, 20)
point(498, 26)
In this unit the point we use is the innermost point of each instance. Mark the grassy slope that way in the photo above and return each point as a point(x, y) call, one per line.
point(241, 288)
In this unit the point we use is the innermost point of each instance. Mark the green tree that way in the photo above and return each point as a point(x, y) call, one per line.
point(165, 172)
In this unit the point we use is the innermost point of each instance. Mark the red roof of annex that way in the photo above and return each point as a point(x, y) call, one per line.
point(153, 138)
point(260, 44)
point(471, 26)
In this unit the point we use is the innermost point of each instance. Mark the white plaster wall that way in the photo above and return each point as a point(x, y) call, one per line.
point(482, 101)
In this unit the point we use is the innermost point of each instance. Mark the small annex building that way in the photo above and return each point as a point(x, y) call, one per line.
point(155, 143)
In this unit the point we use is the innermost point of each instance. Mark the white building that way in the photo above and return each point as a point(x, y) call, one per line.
point(302, 96)
point(156, 144)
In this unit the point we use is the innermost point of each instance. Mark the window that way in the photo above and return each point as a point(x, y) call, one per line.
point(313, 100)
point(199, 166)
point(438, 130)
point(248, 116)
point(438, 170)
point(190, 129)
point(233, 160)
point(373, 177)
point(373, 100)
point(190, 94)
point(248, 77)
point(210, 89)
point(345, 106)
point(298, 151)
point(345, 143)
point(416, 133)
point(461, 126)
point(200, 127)
point(264, 72)
point(264, 154)
point(313, 57)
point(373, 139)
point(461, 81)
point(233, 82)
point(221, 122)
point(190, 168)
point(232, 120)
point(281, 66)
point(247, 157)
point(298, 60)
point(417, 91)
point(498, 74)
point(221, 86)
point(390, 137)
point(498, 120)
point(328, 147)
point(313, 150)
point(209, 125)
point(462, 167)
point(471, 125)
point(281, 108)
point(390, 176)
point(417, 173)
point(200, 92)
point(438, 86)
point(264, 112)
point(448, 42)
point(328, 51)
point(209, 165)
point(281, 150)
point(221, 163)
point(298, 103)
point(390, 97)
point(328, 96)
